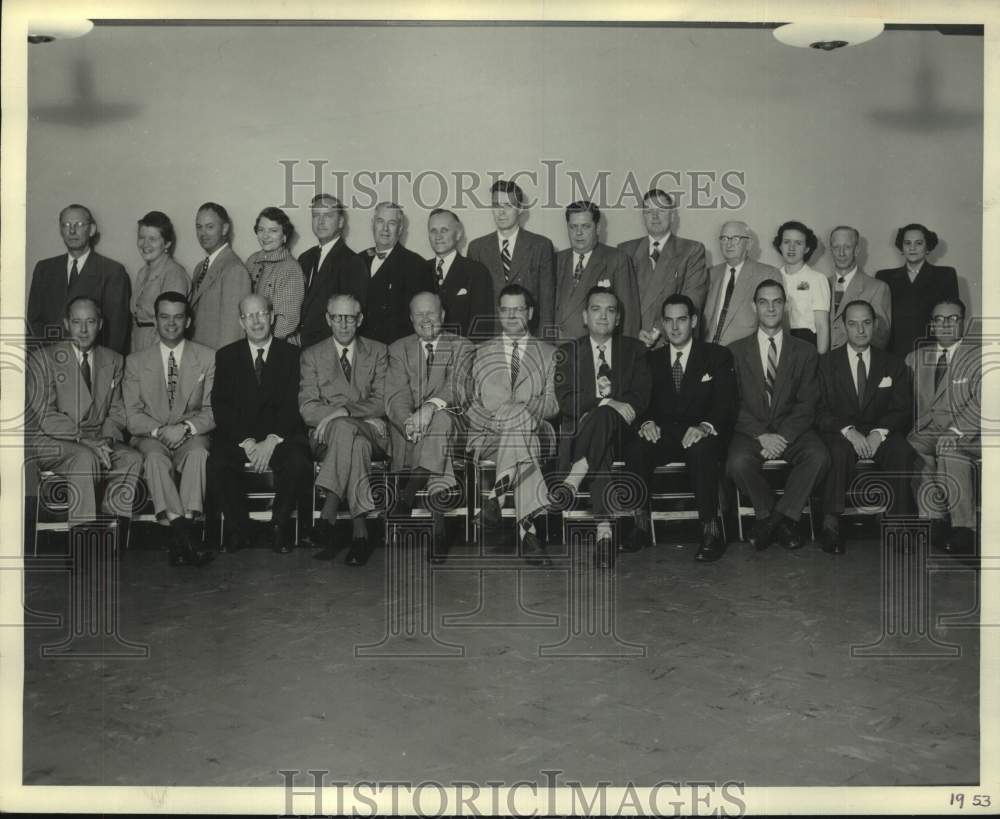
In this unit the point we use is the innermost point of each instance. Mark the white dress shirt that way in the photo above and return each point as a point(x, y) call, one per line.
point(377, 262)
point(661, 243)
point(586, 259)
point(254, 346)
point(324, 251)
point(763, 343)
point(448, 260)
point(81, 260)
point(852, 360)
point(510, 240)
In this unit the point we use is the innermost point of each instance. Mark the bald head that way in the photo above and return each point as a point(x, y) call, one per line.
point(427, 315)
point(734, 242)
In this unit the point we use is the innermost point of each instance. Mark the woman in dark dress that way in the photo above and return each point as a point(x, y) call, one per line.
point(915, 287)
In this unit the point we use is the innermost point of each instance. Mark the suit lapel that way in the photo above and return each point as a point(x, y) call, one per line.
point(785, 366)
point(741, 294)
point(662, 280)
point(692, 373)
point(751, 353)
point(214, 271)
point(186, 380)
point(876, 370)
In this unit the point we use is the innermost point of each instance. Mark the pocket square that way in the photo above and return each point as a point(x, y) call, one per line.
point(960, 380)
point(885, 382)
point(604, 283)
point(462, 292)
point(201, 377)
point(706, 377)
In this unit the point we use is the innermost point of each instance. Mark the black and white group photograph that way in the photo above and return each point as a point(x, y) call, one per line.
point(470, 409)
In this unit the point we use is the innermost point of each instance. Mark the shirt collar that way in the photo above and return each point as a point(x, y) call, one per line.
point(324, 250)
point(215, 253)
point(254, 346)
point(349, 348)
point(508, 341)
point(178, 351)
point(447, 259)
point(663, 242)
point(848, 276)
point(79, 353)
point(762, 337)
point(736, 267)
point(852, 354)
point(81, 260)
point(509, 239)
point(685, 351)
point(606, 344)
point(586, 257)
point(948, 351)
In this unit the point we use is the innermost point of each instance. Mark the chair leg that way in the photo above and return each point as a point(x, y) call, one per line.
point(739, 514)
point(809, 511)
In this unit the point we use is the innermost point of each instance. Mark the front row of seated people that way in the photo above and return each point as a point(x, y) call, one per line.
point(181, 414)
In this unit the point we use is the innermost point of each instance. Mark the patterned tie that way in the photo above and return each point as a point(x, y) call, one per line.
point(655, 255)
point(381, 253)
point(678, 372)
point(772, 370)
point(345, 365)
point(440, 272)
point(578, 271)
point(171, 379)
point(838, 294)
point(505, 259)
point(515, 366)
point(940, 369)
point(85, 371)
point(862, 379)
point(258, 364)
point(74, 274)
point(603, 370)
point(200, 277)
point(730, 285)
point(429, 346)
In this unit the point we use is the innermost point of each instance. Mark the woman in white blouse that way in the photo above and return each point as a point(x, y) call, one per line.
point(807, 291)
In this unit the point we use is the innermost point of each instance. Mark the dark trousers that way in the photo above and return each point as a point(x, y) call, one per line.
point(292, 468)
point(598, 439)
point(808, 460)
point(703, 459)
point(894, 455)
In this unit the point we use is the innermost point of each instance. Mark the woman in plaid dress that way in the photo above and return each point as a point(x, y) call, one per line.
point(274, 272)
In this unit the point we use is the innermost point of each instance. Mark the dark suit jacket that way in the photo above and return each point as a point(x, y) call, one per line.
point(245, 409)
point(467, 296)
point(679, 269)
point(912, 303)
point(796, 391)
point(325, 282)
point(532, 266)
point(102, 279)
point(607, 266)
point(888, 399)
point(708, 389)
point(385, 297)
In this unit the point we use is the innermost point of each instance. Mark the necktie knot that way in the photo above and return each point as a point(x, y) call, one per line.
point(840, 280)
point(381, 254)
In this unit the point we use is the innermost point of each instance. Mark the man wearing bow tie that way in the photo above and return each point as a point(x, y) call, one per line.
point(690, 419)
point(602, 384)
point(464, 285)
point(385, 277)
point(168, 405)
point(664, 263)
point(76, 419)
point(947, 375)
point(342, 401)
point(865, 411)
point(849, 283)
point(257, 422)
point(425, 388)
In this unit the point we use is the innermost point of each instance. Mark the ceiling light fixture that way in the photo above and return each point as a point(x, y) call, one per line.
point(828, 35)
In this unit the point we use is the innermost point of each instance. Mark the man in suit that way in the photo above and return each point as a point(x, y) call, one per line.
point(946, 430)
point(257, 422)
point(168, 408)
point(464, 285)
point(424, 391)
point(76, 419)
point(865, 411)
point(916, 287)
point(664, 263)
point(776, 375)
point(602, 385)
point(690, 418)
point(729, 307)
point(325, 267)
point(514, 255)
point(342, 401)
point(81, 271)
point(513, 393)
point(588, 263)
point(848, 283)
point(219, 283)
point(385, 277)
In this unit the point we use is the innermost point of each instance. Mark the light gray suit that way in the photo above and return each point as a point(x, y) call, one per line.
point(741, 320)
point(868, 289)
point(215, 302)
point(680, 268)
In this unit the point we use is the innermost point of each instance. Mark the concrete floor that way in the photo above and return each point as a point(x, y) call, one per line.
point(740, 670)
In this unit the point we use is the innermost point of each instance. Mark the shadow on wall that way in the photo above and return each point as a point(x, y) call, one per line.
point(84, 109)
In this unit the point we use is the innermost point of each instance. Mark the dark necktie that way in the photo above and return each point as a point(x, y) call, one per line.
point(505, 259)
point(200, 277)
point(515, 366)
point(730, 285)
point(171, 379)
point(940, 369)
point(772, 370)
point(655, 255)
point(258, 364)
point(381, 253)
point(862, 379)
point(345, 365)
point(85, 371)
point(440, 272)
point(74, 274)
point(429, 346)
point(578, 271)
point(838, 294)
point(678, 372)
point(603, 370)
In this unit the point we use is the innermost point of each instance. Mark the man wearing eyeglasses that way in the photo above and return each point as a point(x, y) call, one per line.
point(664, 263)
point(513, 395)
point(342, 401)
point(729, 306)
point(257, 422)
point(848, 282)
point(79, 272)
point(947, 377)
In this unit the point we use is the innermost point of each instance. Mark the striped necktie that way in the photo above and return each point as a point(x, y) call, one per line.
point(515, 366)
point(171, 379)
point(505, 259)
point(345, 365)
point(772, 370)
point(578, 271)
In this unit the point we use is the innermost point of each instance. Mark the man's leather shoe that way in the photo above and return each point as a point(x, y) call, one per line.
point(533, 551)
point(712, 548)
point(762, 533)
point(490, 513)
point(280, 541)
point(635, 540)
point(787, 533)
point(359, 552)
point(234, 541)
point(961, 542)
point(831, 543)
